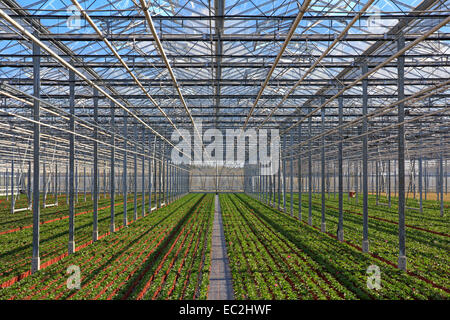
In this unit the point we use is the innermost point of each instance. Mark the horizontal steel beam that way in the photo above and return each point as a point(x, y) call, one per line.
point(226, 37)
point(223, 82)
point(223, 65)
point(157, 57)
point(227, 96)
point(116, 15)
point(331, 116)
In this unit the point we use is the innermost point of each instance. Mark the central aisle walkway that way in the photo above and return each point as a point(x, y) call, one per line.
point(220, 281)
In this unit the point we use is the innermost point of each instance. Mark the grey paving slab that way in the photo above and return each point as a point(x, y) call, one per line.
point(220, 281)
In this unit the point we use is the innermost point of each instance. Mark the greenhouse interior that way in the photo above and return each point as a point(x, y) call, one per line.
point(224, 150)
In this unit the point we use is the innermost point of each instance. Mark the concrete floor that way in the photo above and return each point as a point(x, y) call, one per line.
point(220, 281)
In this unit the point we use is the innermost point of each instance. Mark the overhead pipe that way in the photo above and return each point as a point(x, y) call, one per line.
point(322, 56)
point(415, 97)
point(362, 77)
point(277, 59)
point(67, 65)
point(135, 78)
point(169, 68)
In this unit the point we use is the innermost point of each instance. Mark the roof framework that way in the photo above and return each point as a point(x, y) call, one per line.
point(234, 63)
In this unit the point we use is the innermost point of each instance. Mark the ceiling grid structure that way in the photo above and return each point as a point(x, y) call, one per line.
point(226, 64)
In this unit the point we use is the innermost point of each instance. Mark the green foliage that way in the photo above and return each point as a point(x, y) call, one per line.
point(275, 256)
point(125, 261)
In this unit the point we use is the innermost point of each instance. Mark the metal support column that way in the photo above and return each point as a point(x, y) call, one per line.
point(299, 174)
point(377, 185)
point(160, 170)
point(395, 178)
point(446, 177)
point(284, 174)
point(13, 200)
point(84, 182)
point(357, 182)
point(166, 183)
point(334, 180)
point(71, 245)
point(35, 260)
point(135, 174)
point(104, 182)
point(322, 160)
point(143, 177)
point(125, 165)
point(92, 184)
point(401, 156)
point(150, 174)
point(309, 172)
point(112, 172)
point(163, 177)
point(437, 180)
point(348, 180)
point(44, 183)
point(389, 183)
point(266, 178)
point(176, 182)
point(340, 230)
point(291, 174)
point(76, 183)
point(365, 243)
point(274, 193)
point(29, 185)
point(171, 183)
point(95, 182)
point(441, 181)
point(156, 174)
point(425, 182)
point(420, 185)
point(67, 184)
point(56, 183)
point(279, 181)
point(264, 182)
point(7, 184)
